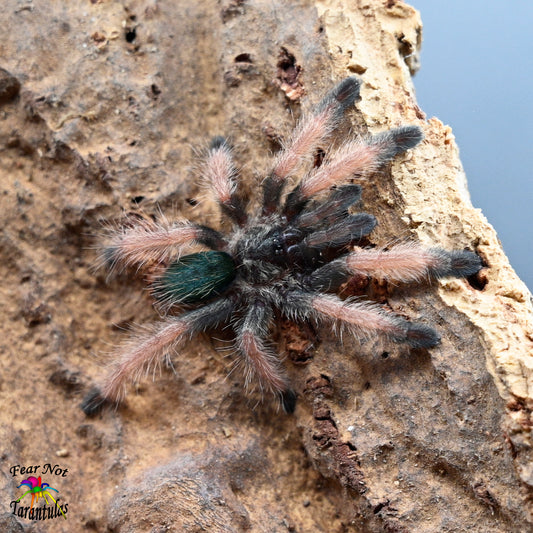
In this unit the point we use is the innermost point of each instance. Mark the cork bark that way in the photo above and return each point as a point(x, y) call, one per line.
point(102, 106)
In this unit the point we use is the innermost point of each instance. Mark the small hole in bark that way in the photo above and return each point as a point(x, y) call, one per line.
point(378, 507)
point(66, 380)
point(287, 64)
point(351, 446)
point(130, 35)
point(366, 386)
point(385, 355)
point(478, 281)
point(137, 200)
point(243, 58)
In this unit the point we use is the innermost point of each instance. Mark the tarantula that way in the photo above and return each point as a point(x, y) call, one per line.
point(291, 257)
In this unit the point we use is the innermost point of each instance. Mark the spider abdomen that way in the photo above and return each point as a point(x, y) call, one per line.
point(195, 278)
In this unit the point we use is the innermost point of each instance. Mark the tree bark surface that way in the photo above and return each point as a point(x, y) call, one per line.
point(102, 106)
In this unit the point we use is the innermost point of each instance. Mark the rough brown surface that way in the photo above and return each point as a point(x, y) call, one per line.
point(101, 102)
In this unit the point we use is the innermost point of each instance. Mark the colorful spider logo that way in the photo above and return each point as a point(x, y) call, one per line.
point(39, 489)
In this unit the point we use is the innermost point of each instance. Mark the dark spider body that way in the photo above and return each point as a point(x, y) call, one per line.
point(290, 258)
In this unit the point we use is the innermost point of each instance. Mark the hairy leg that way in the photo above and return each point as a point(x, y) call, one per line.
point(403, 262)
point(145, 351)
point(351, 229)
point(333, 209)
point(411, 262)
point(155, 242)
point(307, 137)
point(221, 173)
point(353, 159)
point(361, 318)
point(261, 363)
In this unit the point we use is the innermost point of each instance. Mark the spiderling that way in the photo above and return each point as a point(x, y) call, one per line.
point(287, 260)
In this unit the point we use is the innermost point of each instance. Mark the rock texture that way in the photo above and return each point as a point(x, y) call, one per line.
point(101, 103)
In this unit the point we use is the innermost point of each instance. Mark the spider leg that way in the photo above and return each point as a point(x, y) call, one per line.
point(261, 363)
point(352, 228)
point(155, 242)
point(145, 351)
point(362, 318)
point(403, 262)
point(221, 173)
point(411, 262)
point(334, 207)
point(308, 135)
point(353, 159)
